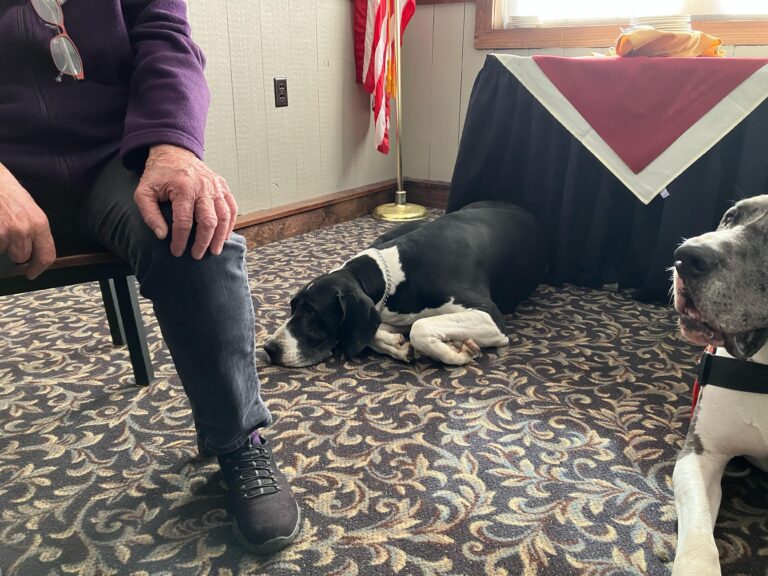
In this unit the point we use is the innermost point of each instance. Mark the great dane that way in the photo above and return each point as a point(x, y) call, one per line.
point(445, 283)
point(721, 295)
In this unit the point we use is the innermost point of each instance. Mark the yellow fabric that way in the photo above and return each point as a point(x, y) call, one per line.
point(390, 88)
point(389, 84)
point(647, 41)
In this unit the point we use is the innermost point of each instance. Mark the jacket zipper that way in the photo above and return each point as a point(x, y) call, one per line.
point(61, 164)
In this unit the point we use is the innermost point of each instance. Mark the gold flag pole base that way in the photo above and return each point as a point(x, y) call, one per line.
point(400, 211)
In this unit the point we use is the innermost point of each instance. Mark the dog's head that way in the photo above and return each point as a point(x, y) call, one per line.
point(329, 312)
point(721, 281)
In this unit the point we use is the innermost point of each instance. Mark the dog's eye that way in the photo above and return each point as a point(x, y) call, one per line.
point(728, 217)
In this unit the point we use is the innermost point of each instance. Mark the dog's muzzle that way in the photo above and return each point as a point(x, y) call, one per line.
point(694, 262)
point(284, 349)
point(272, 349)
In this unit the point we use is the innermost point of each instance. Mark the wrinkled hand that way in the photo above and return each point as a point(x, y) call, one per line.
point(25, 234)
point(197, 195)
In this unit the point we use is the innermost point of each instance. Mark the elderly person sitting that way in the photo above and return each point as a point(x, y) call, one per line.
point(101, 122)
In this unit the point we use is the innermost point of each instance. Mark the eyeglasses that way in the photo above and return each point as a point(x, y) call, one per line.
point(65, 55)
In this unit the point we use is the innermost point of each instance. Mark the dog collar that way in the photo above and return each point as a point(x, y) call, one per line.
point(731, 373)
point(387, 277)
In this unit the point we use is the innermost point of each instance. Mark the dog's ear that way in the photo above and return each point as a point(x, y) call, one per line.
point(359, 322)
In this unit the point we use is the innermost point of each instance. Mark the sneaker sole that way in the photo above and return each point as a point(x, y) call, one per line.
point(270, 546)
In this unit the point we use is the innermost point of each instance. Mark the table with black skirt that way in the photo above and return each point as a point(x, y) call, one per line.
point(513, 149)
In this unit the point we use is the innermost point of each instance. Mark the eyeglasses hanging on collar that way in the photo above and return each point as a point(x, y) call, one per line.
point(63, 50)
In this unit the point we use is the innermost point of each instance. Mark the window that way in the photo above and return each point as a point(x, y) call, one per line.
point(596, 23)
point(547, 13)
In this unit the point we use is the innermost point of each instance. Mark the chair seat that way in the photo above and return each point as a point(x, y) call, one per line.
point(65, 271)
point(85, 259)
point(118, 291)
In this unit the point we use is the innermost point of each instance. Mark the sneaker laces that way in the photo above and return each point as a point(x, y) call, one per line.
point(255, 476)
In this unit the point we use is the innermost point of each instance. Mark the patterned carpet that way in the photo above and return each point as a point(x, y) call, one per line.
point(552, 456)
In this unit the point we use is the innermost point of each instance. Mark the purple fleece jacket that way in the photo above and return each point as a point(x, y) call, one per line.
point(144, 85)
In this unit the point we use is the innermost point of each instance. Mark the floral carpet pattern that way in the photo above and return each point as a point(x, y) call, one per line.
point(551, 456)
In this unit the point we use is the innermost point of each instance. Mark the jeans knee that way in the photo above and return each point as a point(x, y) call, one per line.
point(155, 266)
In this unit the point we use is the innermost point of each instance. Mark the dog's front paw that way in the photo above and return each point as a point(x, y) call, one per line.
point(697, 561)
point(694, 567)
point(394, 344)
point(465, 351)
point(400, 348)
point(470, 349)
point(403, 351)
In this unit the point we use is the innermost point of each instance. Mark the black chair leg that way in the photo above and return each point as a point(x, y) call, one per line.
point(133, 325)
point(110, 306)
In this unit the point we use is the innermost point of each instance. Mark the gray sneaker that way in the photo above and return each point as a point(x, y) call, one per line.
point(266, 515)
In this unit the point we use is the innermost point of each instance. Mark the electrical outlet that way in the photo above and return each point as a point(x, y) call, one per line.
point(281, 92)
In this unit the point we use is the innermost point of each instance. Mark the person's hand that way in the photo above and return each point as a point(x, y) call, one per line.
point(197, 194)
point(25, 234)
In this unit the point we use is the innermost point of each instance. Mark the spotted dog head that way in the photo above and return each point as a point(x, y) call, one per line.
point(721, 281)
point(328, 313)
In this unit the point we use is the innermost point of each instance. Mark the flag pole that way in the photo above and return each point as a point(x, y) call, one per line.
point(401, 210)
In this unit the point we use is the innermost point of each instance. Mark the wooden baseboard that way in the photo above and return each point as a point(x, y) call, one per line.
point(430, 193)
point(266, 226)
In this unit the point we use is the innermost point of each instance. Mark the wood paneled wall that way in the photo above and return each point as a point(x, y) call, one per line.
point(323, 141)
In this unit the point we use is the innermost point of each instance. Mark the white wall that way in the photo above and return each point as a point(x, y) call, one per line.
point(323, 141)
point(439, 67)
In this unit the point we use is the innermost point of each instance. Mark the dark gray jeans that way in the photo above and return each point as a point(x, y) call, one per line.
point(204, 310)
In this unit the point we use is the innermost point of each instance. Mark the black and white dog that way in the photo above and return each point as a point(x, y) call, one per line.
point(721, 294)
point(446, 282)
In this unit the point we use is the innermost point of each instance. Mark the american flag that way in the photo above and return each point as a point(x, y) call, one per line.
point(374, 56)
